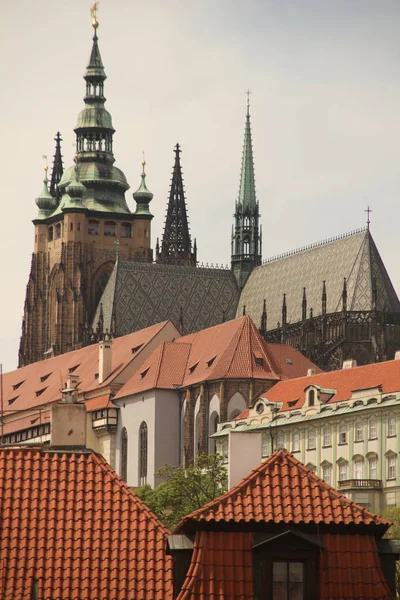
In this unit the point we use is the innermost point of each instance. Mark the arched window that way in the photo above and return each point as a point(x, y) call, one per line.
point(50, 234)
point(143, 453)
point(246, 247)
point(124, 455)
point(93, 227)
point(58, 231)
point(110, 228)
point(311, 398)
point(126, 230)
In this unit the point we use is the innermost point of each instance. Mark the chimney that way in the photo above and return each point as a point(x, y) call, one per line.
point(349, 364)
point(68, 421)
point(310, 372)
point(397, 355)
point(105, 357)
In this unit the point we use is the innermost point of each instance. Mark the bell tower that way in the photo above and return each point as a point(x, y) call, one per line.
point(246, 232)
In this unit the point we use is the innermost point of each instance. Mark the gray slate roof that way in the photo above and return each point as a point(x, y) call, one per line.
point(144, 294)
point(353, 256)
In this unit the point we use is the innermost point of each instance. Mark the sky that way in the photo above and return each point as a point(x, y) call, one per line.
point(325, 83)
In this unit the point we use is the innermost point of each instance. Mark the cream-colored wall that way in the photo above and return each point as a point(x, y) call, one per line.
point(244, 455)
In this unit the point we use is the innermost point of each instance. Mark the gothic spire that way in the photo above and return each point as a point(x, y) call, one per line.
point(263, 325)
point(247, 190)
point(324, 297)
point(57, 170)
point(344, 295)
point(176, 245)
point(304, 306)
point(284, 311)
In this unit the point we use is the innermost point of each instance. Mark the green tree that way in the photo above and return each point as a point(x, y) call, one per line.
point(185, 490)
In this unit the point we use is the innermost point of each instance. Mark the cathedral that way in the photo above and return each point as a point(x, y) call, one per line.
point(94, 271)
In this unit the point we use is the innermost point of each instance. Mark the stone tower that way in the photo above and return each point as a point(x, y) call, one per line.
point(246, 233)
point(81, 221)
point(176, 245)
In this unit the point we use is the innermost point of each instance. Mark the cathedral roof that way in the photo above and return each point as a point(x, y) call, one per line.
point(353, 256)
point(141, 294)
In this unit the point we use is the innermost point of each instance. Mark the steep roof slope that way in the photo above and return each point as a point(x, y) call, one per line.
point(354, 257)
point(73, 528)
point(385, 375)
point(281, 490)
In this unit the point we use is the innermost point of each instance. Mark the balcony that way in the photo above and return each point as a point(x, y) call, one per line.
point(365, 484)
point(105, 418)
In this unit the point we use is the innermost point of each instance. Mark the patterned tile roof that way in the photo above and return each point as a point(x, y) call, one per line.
point(72, 527)
point(143, 294)
point(232, 350)
point(281, 490)
point(385, 375)
point(353, 256)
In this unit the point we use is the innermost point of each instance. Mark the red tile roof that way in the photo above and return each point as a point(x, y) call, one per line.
point(221, 567)
point(282, 490)
point(226, 351)
point(69, 523)
point(345, 381)
point(349, 568)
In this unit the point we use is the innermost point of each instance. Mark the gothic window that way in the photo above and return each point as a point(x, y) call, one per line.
point(126, 230)
point(93, 227)
point(124, 455)
point(58, 231)
point(50, 234)
point(246, 247)
point(110, 228)
point(143, 453)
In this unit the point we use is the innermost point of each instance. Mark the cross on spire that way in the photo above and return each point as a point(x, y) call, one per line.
point(248, 94)
point(368, 210)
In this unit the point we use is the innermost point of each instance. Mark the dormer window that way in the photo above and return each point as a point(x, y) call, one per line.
point(192, 368)
point(260, 408)
point(210, 362)
point(144, 373)
point(258, 359)
point(311, 398)
point(17, 385)
point(44, 377)
point(136, 348)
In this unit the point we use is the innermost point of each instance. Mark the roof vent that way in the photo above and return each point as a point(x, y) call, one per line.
point(136, 348)
point(192, 368)
point(349, 364)
point(310, 372)
point(17, 385)
point(397, 355)
point(44, 377)
point(290, 362)
point(144, 373)
point(210, 362)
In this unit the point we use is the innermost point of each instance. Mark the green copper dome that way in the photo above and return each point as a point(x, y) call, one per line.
point(45, 202)
point(142, 197)
point(94, 117)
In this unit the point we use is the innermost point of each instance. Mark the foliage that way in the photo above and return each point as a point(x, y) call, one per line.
point(185, 490)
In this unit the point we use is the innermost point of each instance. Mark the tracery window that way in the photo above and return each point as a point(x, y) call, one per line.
point(143, 453)
point(124, 455)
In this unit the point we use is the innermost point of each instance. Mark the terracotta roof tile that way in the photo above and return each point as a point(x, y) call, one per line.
point(349, 568)
point(70, 524)
point(345, 381)
point(282, 490)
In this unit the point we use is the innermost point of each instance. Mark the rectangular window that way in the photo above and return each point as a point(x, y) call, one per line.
point(287, 580)
point(295, 441)
point(311, 439)
point(327, 437)
point(372, 468)
point(343, 434)
point(358, 469)
point(264, 445)
point(359, 432)
point(280, 440)
point(391, 467)
point(373, 430)
point(327, 474)
point(342, 471)
point(391, 427)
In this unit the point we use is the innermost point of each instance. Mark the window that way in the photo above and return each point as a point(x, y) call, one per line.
point(280, 440)
point(311, 398)
point(295, 441)
point(342, 434)
point(287, 580)
point(327, 436)
point(372, 430)
point(264, 445)
point(311, 439)
point(58, 231)
point(143, 453)
point(50, 234)
point(93, 227)
point(124, 455)
point(110, 228)
point(358, 432)
point(391, 462)
point(372, 468)
point(225, 451)
point(358, 469)
point(391, 426)
point(327, 473)
point(342, 470)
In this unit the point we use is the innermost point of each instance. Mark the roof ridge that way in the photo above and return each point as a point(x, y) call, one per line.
point(161, 348)
point(235, 338)
point(314, 245)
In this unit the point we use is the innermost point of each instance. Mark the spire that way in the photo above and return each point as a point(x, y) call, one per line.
point(176, 246)
point(323, 299)
point(263, 325)
point(142, 197)
point(284, 311)
point(57, 170)
point(247, 190)
point(344, 295)
point(45, 202)
point(304, 306)
point(75, 190)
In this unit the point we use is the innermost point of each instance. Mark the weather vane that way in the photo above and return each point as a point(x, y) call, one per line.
point(46, 166)
point(143, 160)
point(93, 12)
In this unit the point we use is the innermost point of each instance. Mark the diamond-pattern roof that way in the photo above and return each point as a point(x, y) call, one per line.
point(354, 257)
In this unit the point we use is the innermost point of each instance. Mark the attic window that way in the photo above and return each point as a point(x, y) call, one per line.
point(372, 401)
point(136, 348)
point(144, 373)
point(73, 369)
point(96, 375)
point(289, 361)
point(358, 403)
point(292, 403)
point(192, 368)
point(210, 362)
point(17, 385)
point(44, 377)
point(258, 359)
point(40, 392)
point(12, 400)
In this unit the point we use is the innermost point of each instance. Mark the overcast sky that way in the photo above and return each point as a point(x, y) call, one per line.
point(325, 77)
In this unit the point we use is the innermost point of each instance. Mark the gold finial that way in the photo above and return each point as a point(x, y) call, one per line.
point(46, 166)
point(143, 161)
point(93, 12)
